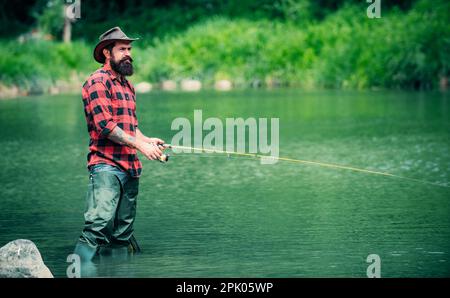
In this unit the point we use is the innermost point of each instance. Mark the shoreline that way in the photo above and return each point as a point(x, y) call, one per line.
point(193, 86)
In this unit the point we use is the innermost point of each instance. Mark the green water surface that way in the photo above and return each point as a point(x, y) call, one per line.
point(203, 215)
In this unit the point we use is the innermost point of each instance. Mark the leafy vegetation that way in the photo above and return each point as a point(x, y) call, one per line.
point(406, 48)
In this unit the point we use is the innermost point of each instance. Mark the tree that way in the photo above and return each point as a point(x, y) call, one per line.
point(55, 17)
point(72, 12)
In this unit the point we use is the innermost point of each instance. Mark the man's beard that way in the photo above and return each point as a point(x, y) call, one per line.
point(123, 67)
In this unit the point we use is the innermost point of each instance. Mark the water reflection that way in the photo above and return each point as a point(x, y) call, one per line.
point(107, 261)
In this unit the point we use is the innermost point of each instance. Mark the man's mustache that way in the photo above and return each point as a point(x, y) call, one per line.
point(127, 59)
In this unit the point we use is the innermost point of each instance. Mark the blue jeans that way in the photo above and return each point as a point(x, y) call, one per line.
point(103, 167)
point(110, 206)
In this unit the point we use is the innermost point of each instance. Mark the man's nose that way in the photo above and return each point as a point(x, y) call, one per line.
point(127, 53)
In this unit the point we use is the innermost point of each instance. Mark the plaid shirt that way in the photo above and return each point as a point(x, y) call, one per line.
point(108, 103)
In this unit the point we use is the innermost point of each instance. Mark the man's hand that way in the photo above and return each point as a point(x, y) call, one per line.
point(141, 137)
point(155, 141)
point(151, 151)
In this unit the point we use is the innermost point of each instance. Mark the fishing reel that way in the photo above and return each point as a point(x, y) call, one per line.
point(164, 157)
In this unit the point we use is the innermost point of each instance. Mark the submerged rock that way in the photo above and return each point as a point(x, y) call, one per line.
point(223, 85)
point(191, 85)
point(168, 85)
point(21, 258)
point(8, 91)
point(36, 89)
point(143, 87)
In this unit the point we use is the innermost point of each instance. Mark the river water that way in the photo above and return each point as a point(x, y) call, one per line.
point(213, 215)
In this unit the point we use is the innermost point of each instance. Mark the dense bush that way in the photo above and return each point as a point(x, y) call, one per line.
point(43, 62)
point(346, 50)
point(403, 49)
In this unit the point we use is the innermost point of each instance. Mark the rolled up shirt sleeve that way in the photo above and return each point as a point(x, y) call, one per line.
point(136, 123)
point(101, 109)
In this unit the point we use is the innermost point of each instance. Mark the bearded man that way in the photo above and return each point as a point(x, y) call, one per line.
point(114, 168)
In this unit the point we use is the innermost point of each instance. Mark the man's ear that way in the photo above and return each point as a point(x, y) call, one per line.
point(107, 54)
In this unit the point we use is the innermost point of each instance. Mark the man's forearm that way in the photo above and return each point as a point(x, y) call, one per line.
point(141, 136)
point(117, 135)
point(150, 151)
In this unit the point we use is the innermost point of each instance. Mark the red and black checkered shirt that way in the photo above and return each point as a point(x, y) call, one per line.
point(110, 102)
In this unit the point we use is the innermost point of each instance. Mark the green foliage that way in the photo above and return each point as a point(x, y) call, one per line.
point(50, 17)
point(406, 48)
point(296, 11)
point(346, 50)
point(43, 62)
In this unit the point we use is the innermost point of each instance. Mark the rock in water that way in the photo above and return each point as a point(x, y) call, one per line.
point(143, 87)
point(223, 85)
point(191, 85)
point(21, 258)
point(169, 85)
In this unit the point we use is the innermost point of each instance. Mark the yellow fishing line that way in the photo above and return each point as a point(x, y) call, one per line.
point(322, 164)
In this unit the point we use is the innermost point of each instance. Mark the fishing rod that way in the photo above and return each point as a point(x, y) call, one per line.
point(165, 158)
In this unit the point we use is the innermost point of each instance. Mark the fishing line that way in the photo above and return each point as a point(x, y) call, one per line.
point(316, 163)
